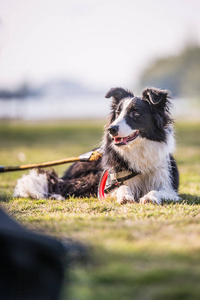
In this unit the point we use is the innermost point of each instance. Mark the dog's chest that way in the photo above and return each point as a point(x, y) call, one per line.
point(151, 160)
point(145, 156)
point(144, 183)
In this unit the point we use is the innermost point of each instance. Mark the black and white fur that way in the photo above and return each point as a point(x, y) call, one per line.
point(139, 138)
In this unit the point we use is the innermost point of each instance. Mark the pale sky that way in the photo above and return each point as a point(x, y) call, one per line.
point(99, 43)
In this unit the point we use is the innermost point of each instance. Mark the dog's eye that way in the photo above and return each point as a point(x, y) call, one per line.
point(135, 114)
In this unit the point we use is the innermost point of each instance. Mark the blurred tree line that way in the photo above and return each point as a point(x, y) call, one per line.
point(180, 74)
point(21, 92)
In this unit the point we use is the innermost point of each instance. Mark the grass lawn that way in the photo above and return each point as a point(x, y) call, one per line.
point(136, 251)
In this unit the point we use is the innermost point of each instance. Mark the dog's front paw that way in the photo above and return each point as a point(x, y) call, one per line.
point(125, 199)
point(159, 196)
point(150, 198)
point(124, 195)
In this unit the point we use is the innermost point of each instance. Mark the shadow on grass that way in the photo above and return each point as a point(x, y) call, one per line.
point(190, 199)
point(137, 275)
point(4, 197)
point(185, 199)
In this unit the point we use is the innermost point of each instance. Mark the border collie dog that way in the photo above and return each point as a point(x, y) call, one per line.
point(137, 148)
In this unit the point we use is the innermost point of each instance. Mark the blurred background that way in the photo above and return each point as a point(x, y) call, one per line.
point(58, 58)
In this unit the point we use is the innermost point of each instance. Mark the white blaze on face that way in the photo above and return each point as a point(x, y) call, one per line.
point(124, 129)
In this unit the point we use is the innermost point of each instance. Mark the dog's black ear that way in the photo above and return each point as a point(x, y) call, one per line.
point(155, 96)
point(118, 94)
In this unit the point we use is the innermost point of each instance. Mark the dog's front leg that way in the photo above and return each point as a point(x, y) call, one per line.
point(124, 195)
point(158, 196)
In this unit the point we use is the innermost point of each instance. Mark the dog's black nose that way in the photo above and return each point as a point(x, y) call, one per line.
point(113, 130)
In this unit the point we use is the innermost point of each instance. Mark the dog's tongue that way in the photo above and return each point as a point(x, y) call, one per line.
point(121, 140)
point(125, 140)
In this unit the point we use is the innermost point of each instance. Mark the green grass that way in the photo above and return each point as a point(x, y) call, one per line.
point(136, 251)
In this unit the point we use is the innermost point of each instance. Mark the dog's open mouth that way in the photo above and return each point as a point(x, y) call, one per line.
point(120, 141)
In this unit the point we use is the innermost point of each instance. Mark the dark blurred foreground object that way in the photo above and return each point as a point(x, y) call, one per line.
point(31, 265)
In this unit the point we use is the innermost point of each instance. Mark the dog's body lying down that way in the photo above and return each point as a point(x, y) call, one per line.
point(138, 140)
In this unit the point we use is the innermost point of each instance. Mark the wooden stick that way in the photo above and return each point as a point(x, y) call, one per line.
point(89, 156)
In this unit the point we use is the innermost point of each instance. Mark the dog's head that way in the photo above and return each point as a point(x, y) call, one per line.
point(138, 117)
